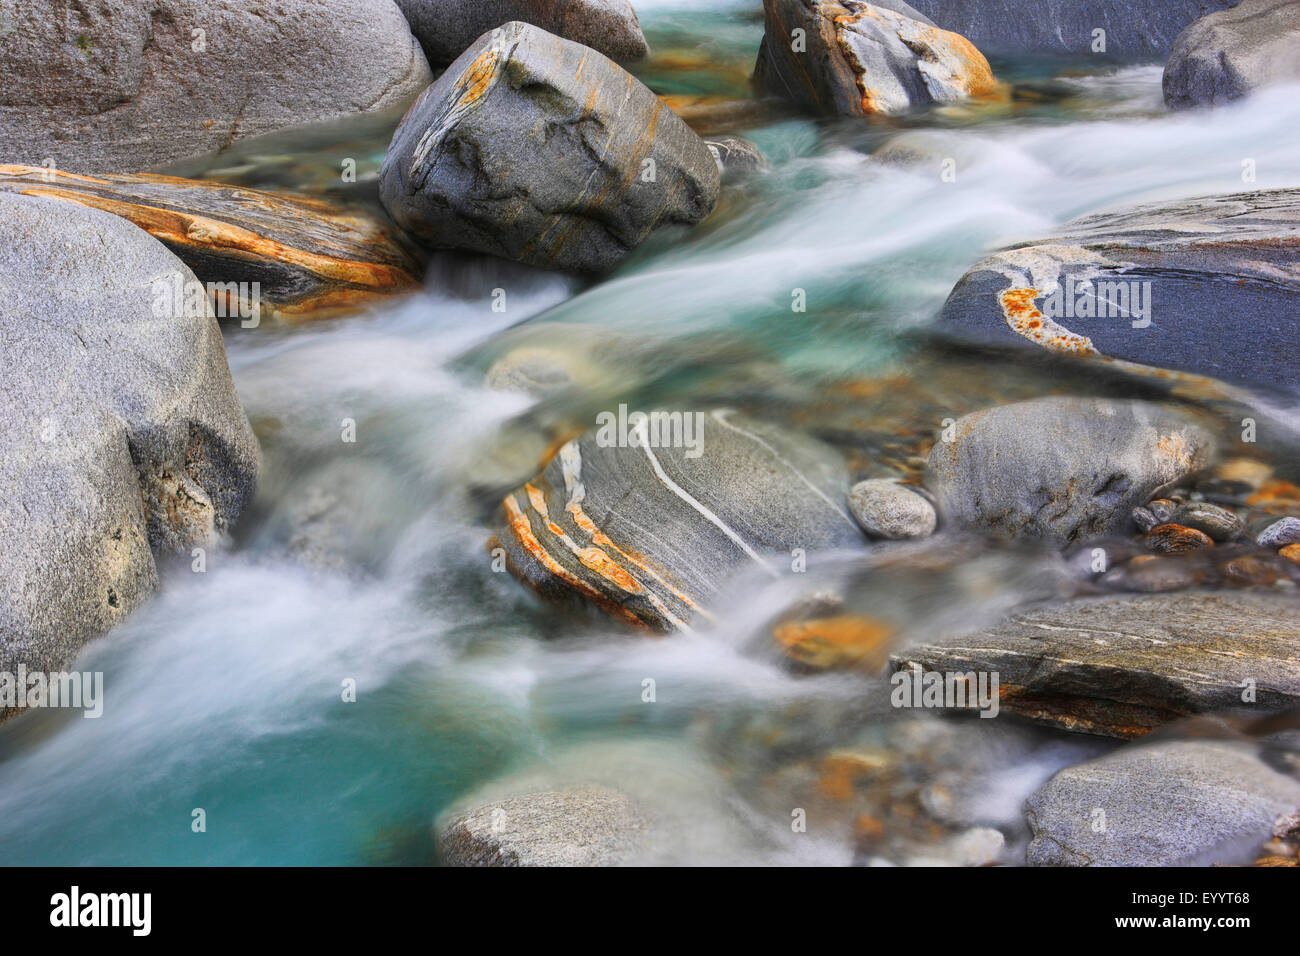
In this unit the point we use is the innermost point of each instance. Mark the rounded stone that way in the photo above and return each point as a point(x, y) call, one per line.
point(1219, 523)
point(886, 509)
point(1285, 531)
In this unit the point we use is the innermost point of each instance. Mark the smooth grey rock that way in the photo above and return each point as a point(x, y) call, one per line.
point(1215, 270)
point(1191, 802)
point(736, 156)
point(1134, 29)
point(582, 826)
point(862, 59)
point(1064, 469)
point(121, 427)
point(117, 86)
point(651, 534)
point(1219, 523)
point(446, 28)
point(1283, 531)
point(1227, 54)
point(1121, 665)
point(886, 509)
point(537, 149)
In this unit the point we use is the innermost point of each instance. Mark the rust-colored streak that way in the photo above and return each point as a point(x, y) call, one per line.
point(522, 530)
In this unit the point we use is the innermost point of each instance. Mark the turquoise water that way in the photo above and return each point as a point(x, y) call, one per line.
point(365, 561)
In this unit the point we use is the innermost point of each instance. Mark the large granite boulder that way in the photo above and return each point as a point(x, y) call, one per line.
point(1155, 285)
point(446, 28)
point(1192, 802)
point(1223, 56)
point(537, 149)
point(121, 85)
point(850, 58)
point(122, 433)
point(1060, 469)
point(650, 528)
point(1133, 29)
point(583, 825)
point(1120, 666)
point(267, 255)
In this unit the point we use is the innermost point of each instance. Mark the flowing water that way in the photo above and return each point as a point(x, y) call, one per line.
point(365, 560)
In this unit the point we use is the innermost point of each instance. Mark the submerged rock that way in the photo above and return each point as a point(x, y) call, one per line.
point(262, 255)
point(650, 534)
point(1152, 284)
point(856, 59)
point(446, 28)
point(1120, 666)
point(580, 826)
point(1130, 29)
point(1227, 54)
point(1064, 469)
point(123, 85)
point(1281, 532)
point(1191, 802)
point(736, 156)
point(121, 430)
point(537, 149)
point(886, 509)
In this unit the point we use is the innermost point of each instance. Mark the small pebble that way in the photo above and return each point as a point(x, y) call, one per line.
point(1151, 573)
point(1162, 508)
point(1219, 523)
point(1144, 519)
point(1286, 531)
point(1248, 571)
point(1291, 552)
point(1174, 538)
point(886, 509)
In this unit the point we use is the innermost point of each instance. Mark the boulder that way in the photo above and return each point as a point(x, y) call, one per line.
point(580, 826)
point(1061, 469)
point(538, 149)
point(647, 522)
point(857, 59)
point(261, 254)
point(1133, 29)
point(122, 85)
point(1191, 802)
point(446, 28)
point(1152, 285)
point(122, 433)
point(1227, 54)
point(1120, 666)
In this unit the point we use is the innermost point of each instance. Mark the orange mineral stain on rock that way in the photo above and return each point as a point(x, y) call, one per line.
point(842, 642)
point(1027, 320)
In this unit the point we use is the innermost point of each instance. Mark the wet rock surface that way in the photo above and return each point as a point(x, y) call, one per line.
point(1225, 55)
point(1133, 29)
point(308, 258)
point(446, 28)
point(1190, 802)
point(1060, 468)
point(582, 826)
point(124, 85)
point(1152, 284)
point(122, 429)
point(540, 150)
point(1122, 665)
point(650, 533)
point(861, 59)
